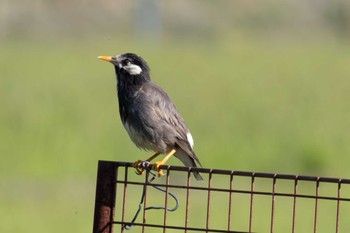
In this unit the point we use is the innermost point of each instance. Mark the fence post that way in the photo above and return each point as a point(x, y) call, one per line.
point(105, 197)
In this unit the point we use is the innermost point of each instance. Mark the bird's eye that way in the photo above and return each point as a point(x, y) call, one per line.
point(126, 62)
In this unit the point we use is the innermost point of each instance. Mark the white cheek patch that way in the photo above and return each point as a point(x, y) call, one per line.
point(133, 69)
point(190, 139)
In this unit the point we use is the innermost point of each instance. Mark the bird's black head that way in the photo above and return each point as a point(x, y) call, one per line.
point(130, 68)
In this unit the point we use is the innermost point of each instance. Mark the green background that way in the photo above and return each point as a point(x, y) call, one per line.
point(262, 87)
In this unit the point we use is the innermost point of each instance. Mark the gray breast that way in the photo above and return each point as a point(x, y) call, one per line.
point(145, 140)
point(137, 137)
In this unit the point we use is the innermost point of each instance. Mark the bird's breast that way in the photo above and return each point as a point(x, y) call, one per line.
point(138, 137)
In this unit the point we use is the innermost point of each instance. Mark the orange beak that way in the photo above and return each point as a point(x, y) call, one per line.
point(105, 58)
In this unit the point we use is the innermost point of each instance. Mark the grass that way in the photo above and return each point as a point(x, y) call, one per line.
point(250, 105)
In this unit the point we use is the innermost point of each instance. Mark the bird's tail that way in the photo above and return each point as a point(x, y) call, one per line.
point(188, 161)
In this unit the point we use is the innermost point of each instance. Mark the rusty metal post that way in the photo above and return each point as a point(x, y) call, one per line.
point(105, 197)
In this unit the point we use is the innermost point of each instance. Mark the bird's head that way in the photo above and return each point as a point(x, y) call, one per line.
point(129, 67)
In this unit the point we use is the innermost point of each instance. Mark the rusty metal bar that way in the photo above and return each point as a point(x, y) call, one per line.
point(295, 204)
point(180, 227)
point(273, 204)
point(166, 201)
point(208, 202)
point(230, 203)
point(124, 196)
point(245, 173)
point(250, 192)
point(338, 207)
point(316, 206)
point(251, 203)
point(145, 203)
point(105, 197)
point(245, 191)
point(187, 200)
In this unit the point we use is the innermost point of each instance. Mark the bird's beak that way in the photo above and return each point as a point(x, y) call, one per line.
point(105, 58)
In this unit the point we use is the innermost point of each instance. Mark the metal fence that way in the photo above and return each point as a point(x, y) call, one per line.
point(227, 201)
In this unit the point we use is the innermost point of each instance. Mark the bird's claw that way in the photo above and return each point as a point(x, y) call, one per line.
point(155, 167)
point(139, 171)
point(138, 166)
point(160, 173)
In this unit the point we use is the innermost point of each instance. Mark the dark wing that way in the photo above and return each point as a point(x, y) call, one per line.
point(163, 117)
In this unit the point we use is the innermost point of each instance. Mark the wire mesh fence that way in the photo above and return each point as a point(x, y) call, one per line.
point(227, 201)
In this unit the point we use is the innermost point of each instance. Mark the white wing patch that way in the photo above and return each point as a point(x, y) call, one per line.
point(190, 139)
point(133, 69)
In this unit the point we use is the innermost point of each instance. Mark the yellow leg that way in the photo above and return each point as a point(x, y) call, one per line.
point(162, 162)
point(153, 157)
point(137, 164)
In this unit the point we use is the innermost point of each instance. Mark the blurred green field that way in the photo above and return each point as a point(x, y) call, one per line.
point(255, 105)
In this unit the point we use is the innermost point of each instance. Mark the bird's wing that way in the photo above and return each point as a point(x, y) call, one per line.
point(163, 113)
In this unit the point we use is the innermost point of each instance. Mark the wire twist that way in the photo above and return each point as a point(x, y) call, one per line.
point(145, 165)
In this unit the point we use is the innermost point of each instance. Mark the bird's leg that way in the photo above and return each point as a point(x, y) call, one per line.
point(137, 164)
point(163, 161)
point(153, 156)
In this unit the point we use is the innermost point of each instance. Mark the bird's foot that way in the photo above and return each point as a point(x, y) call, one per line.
point(138, 166)
point(162, 162)
point(140, 169)
point(156, 168)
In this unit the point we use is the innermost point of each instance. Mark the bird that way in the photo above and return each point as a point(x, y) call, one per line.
point(149, 116)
